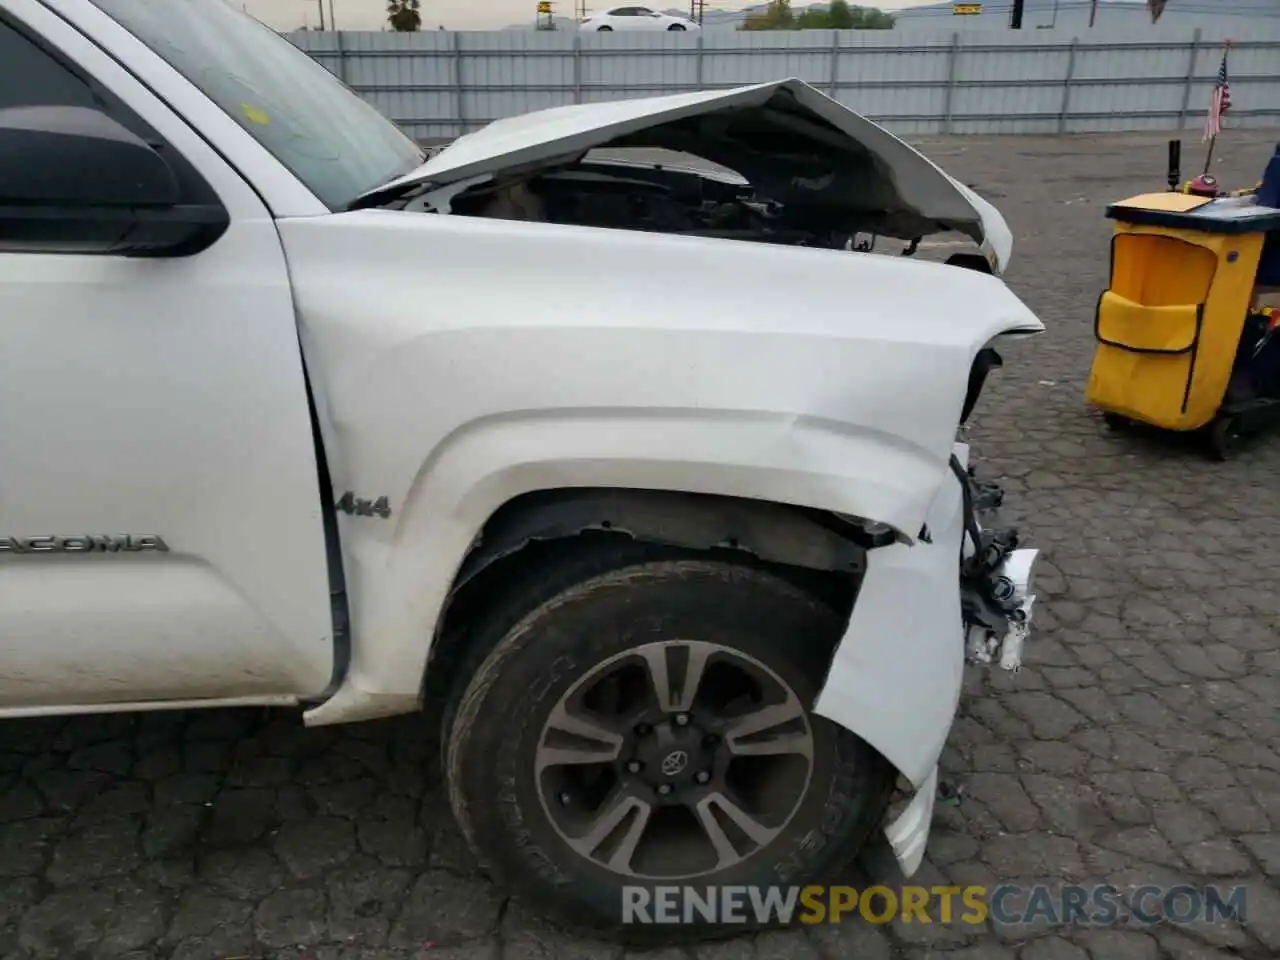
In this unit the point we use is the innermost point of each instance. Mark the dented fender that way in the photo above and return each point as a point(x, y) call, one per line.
point(451, 377)
point(896, 675)
point(400, 577)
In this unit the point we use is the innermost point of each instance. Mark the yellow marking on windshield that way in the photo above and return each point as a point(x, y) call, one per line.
point(255, 115)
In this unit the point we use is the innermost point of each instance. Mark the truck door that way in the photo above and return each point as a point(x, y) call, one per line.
point(160, 515)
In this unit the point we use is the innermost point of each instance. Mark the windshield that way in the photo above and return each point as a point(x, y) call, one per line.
point(334, 142)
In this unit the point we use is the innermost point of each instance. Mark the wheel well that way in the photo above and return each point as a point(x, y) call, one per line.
point(969, 261)
point(543, 528)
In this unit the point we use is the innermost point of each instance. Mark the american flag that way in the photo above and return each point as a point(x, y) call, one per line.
point(1220, 103)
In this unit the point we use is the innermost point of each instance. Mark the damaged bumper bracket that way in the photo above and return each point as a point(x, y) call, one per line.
point(1012, 584)
point(996, 581)
point(896, 675)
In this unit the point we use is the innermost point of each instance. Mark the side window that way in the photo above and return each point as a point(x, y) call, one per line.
point(32, 75)
point(623, 12)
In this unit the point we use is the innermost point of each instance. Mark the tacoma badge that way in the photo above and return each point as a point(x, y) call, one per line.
point(85, 543)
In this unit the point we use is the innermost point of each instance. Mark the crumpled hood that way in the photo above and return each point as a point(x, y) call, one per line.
point(793, 143)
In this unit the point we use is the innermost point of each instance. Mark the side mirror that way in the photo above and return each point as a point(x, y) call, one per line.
point(72, 180)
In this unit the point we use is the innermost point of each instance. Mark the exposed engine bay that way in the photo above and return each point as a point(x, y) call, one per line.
point(774, 163)
point(621, 194)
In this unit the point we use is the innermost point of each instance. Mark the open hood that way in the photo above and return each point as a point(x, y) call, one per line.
point(794, 144)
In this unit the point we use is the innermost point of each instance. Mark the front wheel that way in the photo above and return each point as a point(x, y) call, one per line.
point(649, 725)
point(605, 29)
point(675, 28)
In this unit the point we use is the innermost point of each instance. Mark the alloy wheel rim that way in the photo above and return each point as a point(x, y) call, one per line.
point(673, 760)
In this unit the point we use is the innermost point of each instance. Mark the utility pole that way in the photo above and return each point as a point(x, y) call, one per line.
point(320, 4)
point(1093, 13)
point(1015, 15)
point(580, 10)
point(333, 21)
point(696, 10)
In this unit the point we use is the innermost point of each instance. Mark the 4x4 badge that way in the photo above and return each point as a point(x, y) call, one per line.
point(354, 506)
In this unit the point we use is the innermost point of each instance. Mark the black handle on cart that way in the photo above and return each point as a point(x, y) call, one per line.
point(1175, 165)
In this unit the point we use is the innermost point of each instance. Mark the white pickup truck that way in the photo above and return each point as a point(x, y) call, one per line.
point(646, 475)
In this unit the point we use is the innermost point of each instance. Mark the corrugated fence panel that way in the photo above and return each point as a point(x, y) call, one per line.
point(614, 63)
point(741, 58)
point(439, 84)
point(902, 82)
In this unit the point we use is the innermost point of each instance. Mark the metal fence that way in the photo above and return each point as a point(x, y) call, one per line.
point(440, 84)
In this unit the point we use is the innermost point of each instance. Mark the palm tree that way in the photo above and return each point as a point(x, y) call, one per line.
point(404, 15)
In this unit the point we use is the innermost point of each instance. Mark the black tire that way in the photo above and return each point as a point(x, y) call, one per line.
point(675, 28)
point(1224, 438)
point(1115, 422)
point(605, 29)
point(580, 615)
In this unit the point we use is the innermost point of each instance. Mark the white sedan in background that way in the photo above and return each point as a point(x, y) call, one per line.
point(636, 18)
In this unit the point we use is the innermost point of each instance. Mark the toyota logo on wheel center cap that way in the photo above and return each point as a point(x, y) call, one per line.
point(674, 762)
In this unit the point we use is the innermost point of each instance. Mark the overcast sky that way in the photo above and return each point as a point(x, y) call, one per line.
point(456, 14)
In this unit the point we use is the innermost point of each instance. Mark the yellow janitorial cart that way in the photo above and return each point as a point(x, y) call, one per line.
point(1178, 335)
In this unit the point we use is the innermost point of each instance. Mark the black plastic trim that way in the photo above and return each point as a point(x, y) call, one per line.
point(339, 604)
point(986, 361)
point(1262, 223)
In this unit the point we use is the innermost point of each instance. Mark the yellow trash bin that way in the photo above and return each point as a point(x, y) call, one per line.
point(1168, 325)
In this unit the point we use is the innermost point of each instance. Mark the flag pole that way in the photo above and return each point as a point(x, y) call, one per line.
point(1213, 141)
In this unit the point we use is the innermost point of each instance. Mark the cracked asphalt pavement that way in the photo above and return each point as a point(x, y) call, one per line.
point(1140, 744)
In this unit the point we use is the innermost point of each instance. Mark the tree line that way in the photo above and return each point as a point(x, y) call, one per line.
point(837, 15)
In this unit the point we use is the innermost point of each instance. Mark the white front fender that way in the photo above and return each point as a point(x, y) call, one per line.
point(400, 585)
point(896, 676)
point(453, 375)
